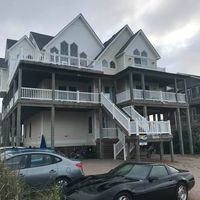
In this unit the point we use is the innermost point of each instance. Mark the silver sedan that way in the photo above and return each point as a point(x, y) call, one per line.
point(44, 168)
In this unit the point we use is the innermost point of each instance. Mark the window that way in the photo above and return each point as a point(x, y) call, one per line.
point(112, 64)
point(54, 58)
point(136, 52)
point(83, 62)
point(64, 48)
point(144, 54)
point(30, 130)
point(137, 61)
point(173, 170)
point(18, 162)
point(104, 63)
point(64, 52)
point(25, 131)
point(74, 50)
point(159, 171)
point(90, 124)
point(144, 62)
point(38, 160)
point(30, 57)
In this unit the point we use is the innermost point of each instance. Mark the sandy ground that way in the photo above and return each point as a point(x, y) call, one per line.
point(191, 163)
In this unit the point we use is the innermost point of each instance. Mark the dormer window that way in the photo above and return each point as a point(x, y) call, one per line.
point(144, 54)
point(112, 65)
point(104, 63)
point(136, 52)
point(83, 61)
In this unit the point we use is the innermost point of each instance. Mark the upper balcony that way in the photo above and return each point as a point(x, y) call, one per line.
point(151, 95)
point(139, 62)
point(194, 95)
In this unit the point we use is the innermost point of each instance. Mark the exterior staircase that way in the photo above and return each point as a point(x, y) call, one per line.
point(132, 123)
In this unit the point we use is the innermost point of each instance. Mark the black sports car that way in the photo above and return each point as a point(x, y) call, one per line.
point(133, 181)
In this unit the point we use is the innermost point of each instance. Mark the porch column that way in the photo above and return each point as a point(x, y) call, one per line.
point(189, 131)
point(172, 150)
point(18, 135)
point(180, 133)
point(137, 148)
point(115, 92)
point(185, 90)
point(176, 89)
point(145, 113)
point(143, 84)
point(19, 82)
point(161, 150)
point(52, 126)
point(101, 154)
point(13, 128)
point(131, 85)
point(53, 85)
point(14, 90)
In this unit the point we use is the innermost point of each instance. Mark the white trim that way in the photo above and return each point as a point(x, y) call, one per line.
point(125, 27)
point(20, 40)
point(80, 16)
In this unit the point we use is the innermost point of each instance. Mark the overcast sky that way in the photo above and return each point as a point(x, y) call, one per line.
point(173, 26)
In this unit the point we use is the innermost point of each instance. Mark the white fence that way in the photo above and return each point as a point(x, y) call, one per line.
point(110, 133)
point(151, 95)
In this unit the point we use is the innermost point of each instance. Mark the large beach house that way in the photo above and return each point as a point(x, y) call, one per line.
point(77, 91)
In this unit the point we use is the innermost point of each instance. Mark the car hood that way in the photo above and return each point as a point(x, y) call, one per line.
point(98, 183)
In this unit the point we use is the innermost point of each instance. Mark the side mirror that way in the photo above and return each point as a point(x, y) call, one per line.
point(152, 179)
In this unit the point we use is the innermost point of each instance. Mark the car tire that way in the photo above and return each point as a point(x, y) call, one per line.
point(181, 192)
point(62, 182)
point(123, 196)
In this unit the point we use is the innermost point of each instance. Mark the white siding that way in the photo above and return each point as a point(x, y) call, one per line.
point(80, 34)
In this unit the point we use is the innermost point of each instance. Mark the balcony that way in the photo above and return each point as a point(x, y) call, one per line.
point(47, 94)
point(140, 62)
point(150, 95)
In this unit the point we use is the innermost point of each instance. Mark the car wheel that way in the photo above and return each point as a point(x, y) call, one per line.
point(182, 192)
point(62, 182)
point(123, 196)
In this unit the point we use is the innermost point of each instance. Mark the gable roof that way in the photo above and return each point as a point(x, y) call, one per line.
point(127, 43)
point(132, 38)
point(3, 63)
point(20, 40)
point(80, 16)
point(10, 43)
point(112, 39)
point(41, 39)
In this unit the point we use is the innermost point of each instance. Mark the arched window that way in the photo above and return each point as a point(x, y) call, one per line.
point(54, 58)
point(74, 53)
point(29, 57)
point(112, 64)
point(104, 63)
point(63, 48)
point(136, 52)
point(144, 53)
point(83, 62)
point(64, 52)
point(74, 50)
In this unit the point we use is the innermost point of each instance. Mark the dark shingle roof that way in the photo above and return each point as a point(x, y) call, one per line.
point(109, 41)
point(127, 43)
point(10, 43)
point(41, 39)
point(3, 63)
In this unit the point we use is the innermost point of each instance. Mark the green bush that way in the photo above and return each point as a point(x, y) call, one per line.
point(12, 188)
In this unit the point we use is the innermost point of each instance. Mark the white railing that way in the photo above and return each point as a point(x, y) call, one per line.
point(154, 127)
point(138, 94)
point(76, 96)
point(36, 93)
point(116, 112)
point(181, 98)
point(110, 133)
point(123, 96)
point(152, 95)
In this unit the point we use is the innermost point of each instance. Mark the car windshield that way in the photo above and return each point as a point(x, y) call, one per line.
point(134, 171)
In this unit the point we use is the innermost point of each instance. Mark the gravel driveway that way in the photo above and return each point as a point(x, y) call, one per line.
point(191, 163)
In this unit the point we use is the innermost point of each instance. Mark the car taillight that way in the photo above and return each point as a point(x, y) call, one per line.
point(79, 165)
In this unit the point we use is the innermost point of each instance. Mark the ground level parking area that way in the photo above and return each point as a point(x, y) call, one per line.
point(191, 163)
